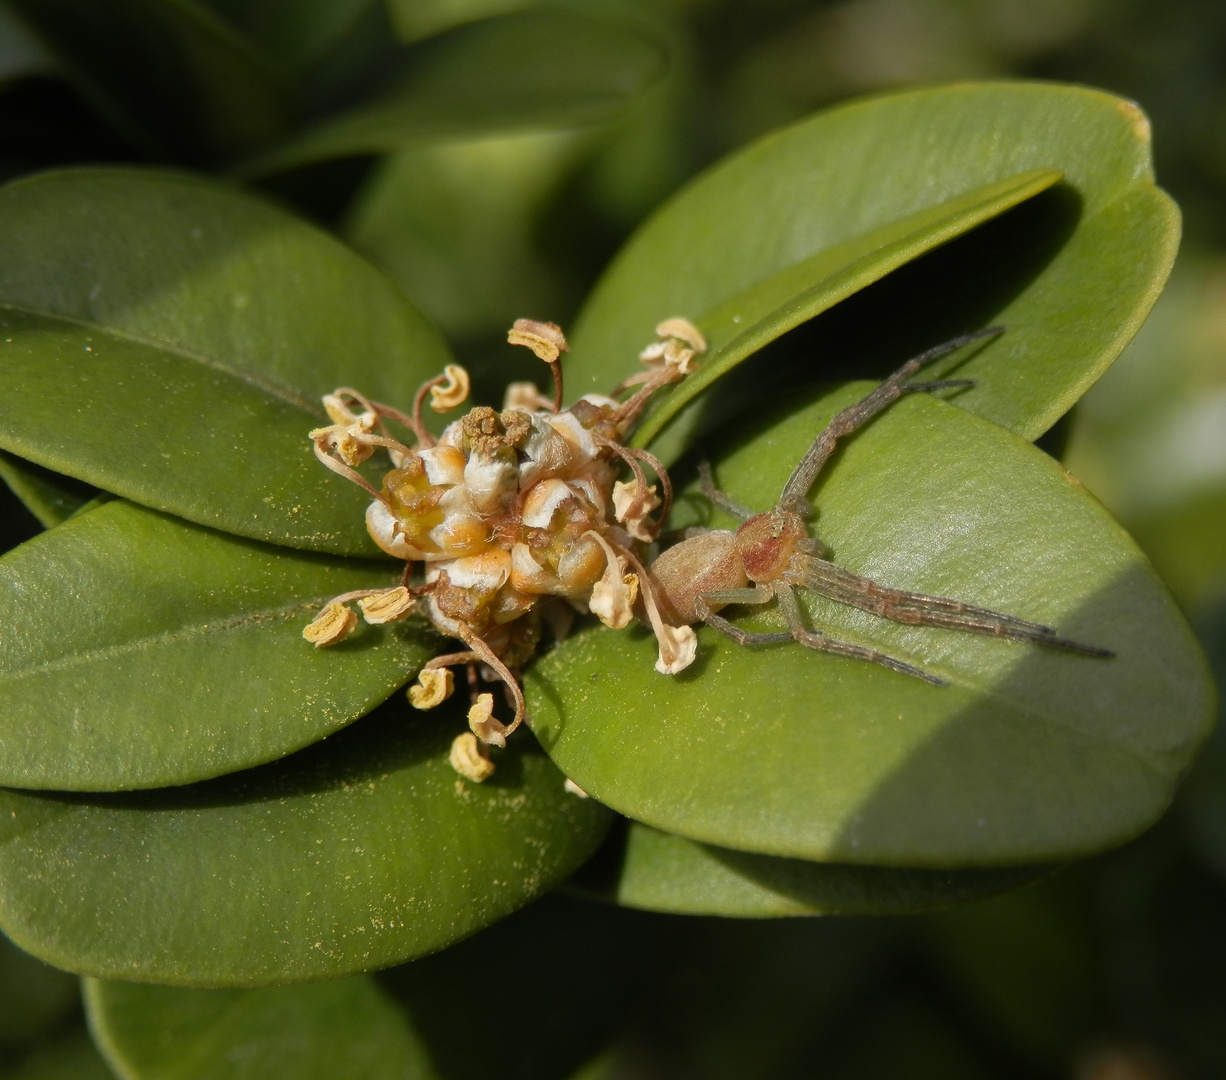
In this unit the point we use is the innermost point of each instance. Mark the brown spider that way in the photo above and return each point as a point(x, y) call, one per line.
point(771, 554)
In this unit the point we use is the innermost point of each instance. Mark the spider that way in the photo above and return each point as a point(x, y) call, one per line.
point(771, 554)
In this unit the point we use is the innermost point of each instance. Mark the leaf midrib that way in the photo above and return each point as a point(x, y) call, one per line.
point(280, 392)
point(173, 636)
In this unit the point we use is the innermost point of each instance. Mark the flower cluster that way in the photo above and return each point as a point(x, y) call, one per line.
point(517, 517)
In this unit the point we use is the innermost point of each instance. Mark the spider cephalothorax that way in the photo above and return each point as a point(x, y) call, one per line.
point(771, 554)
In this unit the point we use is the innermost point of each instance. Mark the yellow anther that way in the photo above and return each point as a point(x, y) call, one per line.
point(545, 339)
point(446, 396)
point(525, 395)
point(481, 721)
point(387, 606)
point(333, 624)
point(433, 687)
point(683, 330)
point(339, 411)
point(468, 758)
point(343, 442)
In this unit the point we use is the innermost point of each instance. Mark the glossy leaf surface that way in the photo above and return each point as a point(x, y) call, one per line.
point(737, 329)
point(406, 1022)
point(359, 852)
point(641, 867)
point(48, 496)
point(517, 72)
point(169, 339)
point(1071, 272)
point(173, 78)
point(1030, 754)
point(151, 652)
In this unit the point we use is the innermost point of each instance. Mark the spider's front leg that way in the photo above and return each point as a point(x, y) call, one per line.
point(797, 631)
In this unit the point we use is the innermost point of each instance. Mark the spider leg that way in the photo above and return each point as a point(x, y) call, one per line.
point(920, 609)
point(718, 498)
point(738, 596)
point(813, 639)
point(938, 384)
point(857, 415)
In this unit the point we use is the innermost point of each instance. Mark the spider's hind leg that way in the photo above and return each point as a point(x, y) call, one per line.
point(812, 639)
point(738, 596)
point(920, 609)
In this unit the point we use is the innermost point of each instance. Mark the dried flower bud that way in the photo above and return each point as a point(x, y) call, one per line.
point(682, 330)
point(632, 503)
point(433, 687)
point(387, 606)
point(481, 720)
point(447, 396)
point(543, 338)
point(468, 758)
point(335, 623)
point(678, 647)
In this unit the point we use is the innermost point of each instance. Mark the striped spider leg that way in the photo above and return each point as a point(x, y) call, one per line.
point(771, 555)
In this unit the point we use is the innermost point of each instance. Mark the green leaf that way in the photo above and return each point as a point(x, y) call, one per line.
point(417, 19)
point(342, 1028)
point(790, 225)
point(641, 867)
point(1184, 541)
point(298, 33)
point(34, 999)
point(1029, 755)
point(362, 851)
point(739, 328)
point(71, 1056)
point(518, 72)
point(48, 496)
point(153, 652)
point(168, 74)
point(168, 339)
point(467, 250)
point(407, 1022)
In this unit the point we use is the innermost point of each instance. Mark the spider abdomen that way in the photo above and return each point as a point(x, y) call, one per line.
point(706, 563)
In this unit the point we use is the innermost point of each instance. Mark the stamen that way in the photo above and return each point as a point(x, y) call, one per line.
point(445, 397)
point(678, 644)
point(433, 687)
point(335, 623)
point(388, 606)
point(548, 342)
point(470, 758)
point(613, 596)
point(344, 470)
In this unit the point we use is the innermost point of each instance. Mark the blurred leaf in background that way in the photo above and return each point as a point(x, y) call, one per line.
point(1114, 968)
